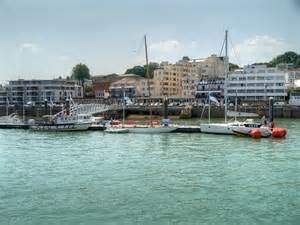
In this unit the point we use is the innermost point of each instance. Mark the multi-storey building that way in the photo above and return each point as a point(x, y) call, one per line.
point(101, 85)
point(3, 95)
point(37, 91)
point(177, 80)
point(132, 85)
point(257, 82)
point(293, 76)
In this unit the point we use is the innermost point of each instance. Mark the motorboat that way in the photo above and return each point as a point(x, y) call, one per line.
point(69, 119)
point(77, 122)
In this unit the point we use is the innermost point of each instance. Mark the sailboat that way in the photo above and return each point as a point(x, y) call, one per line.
point(150, 129)
point(12, 120)
point(122, 129)
point(227, 127)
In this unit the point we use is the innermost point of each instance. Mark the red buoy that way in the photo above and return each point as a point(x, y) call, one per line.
point(279, 132)
point(255, 133)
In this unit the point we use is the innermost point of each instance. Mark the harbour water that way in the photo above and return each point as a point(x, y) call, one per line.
point(101, 178)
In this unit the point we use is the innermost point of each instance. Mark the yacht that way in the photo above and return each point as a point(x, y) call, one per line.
point(226, 127)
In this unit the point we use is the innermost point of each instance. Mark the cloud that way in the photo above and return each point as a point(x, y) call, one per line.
point(259, 48)
point(32, 47)
point(167, 46)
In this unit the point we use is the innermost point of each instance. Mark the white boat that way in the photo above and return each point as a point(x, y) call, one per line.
point(79, 122)
point(12, 121)
point(116, 130)
point(151, 130)
point(66, 120)
point(227, 128)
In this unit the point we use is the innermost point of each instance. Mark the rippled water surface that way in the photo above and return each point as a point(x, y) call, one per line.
point(99, 178)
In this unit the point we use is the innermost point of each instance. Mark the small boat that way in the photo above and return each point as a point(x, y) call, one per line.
point(12, 121)
point(117, 130)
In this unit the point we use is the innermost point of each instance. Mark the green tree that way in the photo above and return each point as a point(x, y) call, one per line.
point(142, 70)
point(233, 66)
point(287, 57)
point(80, 72)
point(298, 61)
point(88, 91)
point(137, 70)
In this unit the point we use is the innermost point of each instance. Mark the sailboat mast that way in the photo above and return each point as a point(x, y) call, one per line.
point(123, 119)
point(226, 73)
point(148, 79)
point(7, 105)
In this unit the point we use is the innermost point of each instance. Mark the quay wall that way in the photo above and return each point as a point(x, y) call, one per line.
point(216, 112)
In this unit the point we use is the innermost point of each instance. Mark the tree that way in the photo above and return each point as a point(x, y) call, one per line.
point(233, 67)
point(298, 61)
point(142, 70)
point(137, 70)
point(287, 57)
point(80, 72)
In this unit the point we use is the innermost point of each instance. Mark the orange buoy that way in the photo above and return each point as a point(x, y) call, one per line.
point(255, 133)
point(279, 132)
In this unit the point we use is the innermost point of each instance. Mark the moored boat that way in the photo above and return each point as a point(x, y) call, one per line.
point(116, 130)
point(12, 121)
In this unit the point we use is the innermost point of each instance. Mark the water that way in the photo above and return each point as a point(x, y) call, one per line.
point(99, 178)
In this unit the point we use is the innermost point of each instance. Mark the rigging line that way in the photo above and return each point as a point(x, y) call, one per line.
point(222, 48)
point(234, 52)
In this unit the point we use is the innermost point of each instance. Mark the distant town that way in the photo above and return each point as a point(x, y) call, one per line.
point(187, 80)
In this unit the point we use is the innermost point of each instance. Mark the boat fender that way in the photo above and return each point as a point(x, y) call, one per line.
point(255, 133)
point(279, 132)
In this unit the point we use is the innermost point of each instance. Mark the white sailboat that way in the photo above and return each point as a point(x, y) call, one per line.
point(11, 120)
point(226, 127)
point(117, 129)
point(150, 129)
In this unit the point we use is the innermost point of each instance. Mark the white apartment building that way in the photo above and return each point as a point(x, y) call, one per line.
point(3, 95)
point(257, 83)
point(38, 91)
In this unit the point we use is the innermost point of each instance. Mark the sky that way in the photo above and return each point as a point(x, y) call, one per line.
point(45, 39)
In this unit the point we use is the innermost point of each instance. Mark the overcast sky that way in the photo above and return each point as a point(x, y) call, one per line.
point(45, 39)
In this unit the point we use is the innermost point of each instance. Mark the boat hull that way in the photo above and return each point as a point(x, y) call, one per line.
point(246, 131)
point(61, 127)
point(216, 128)
point(151, 130)
point(117, 130)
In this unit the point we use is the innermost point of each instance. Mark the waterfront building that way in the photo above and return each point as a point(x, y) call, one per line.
point(3, 95)
point(180, 79)
point(37, 91)
point(257, 83)
point(216, 87)
point(293, 76)
point(132, 85)
point(101, 85)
